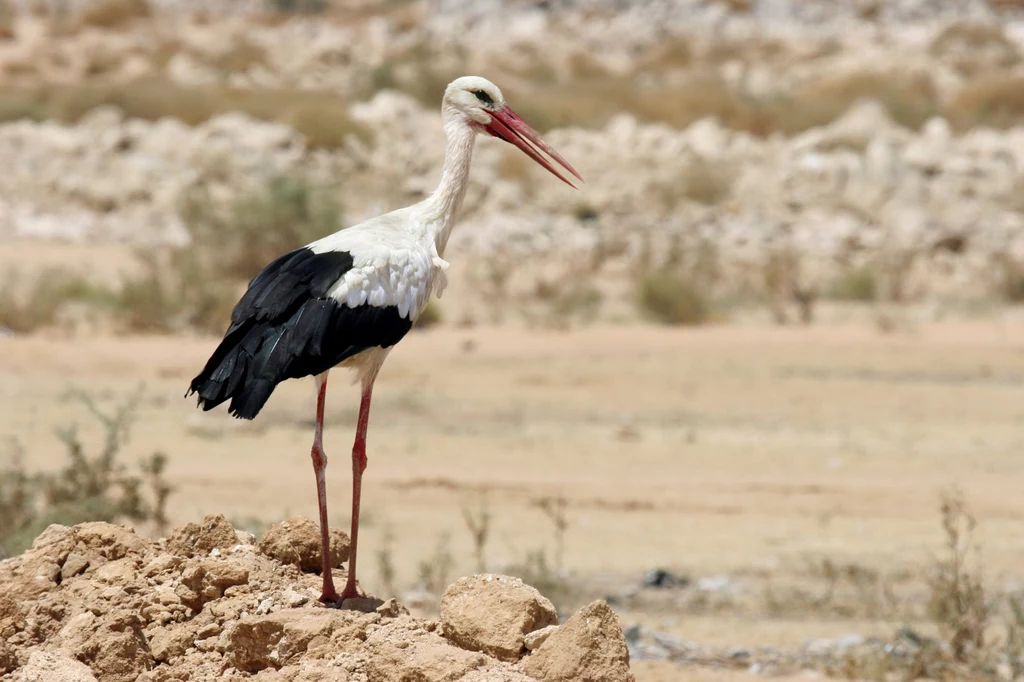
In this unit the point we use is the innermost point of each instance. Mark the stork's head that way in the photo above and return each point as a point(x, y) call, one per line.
point(482, 106)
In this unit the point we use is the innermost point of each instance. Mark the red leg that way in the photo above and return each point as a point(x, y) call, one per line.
point(328, 595)
point(358, 466)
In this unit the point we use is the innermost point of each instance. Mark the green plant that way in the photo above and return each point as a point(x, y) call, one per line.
point(673, 299)
point(90, 487)
point(286, 212)
point(430, 317)
point(859, 285)
point(40, 305)
point(297, 6)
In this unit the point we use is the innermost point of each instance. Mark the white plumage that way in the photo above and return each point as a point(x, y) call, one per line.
point(347, 299)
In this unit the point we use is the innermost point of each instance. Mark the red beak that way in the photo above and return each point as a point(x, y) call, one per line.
point(507, 125)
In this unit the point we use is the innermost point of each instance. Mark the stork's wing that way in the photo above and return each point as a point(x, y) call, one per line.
point(300, 316)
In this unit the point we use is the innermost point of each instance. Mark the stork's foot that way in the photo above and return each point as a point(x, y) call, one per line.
point(350, 592)
point(329, 597)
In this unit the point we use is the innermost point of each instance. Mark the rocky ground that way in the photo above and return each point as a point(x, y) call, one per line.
point(98, 602)
point(813, 139)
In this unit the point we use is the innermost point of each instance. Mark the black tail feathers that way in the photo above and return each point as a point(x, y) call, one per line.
point(234, 372)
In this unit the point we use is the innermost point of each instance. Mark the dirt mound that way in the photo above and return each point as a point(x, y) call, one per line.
point(97, 602)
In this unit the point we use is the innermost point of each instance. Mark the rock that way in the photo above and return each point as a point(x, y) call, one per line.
point(73, 565)
point(108, 540)
point(658, 577)
point(589, 647)
point(8, 657)
point(297, 542)
point(53, 666)
point(155, 616)
point(170, 642)
point(392, 609)
point(272, 640)
point(534, 639)
point(404, 650)
point(193, 540)
point(223, 574)
point(493, 613)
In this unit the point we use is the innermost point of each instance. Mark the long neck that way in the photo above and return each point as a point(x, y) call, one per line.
point(444, 203)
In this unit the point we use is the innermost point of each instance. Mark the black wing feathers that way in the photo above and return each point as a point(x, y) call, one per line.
point(285, 327)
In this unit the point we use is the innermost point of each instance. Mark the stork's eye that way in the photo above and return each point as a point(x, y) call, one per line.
point(483, 97)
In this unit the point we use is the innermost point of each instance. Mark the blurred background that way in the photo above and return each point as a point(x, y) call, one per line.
point(758, 383)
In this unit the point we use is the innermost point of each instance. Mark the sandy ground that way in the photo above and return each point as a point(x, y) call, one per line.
point(721, 450)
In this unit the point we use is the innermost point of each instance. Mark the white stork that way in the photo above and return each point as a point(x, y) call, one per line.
point(348, 298)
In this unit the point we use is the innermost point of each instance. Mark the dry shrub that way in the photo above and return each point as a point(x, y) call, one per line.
point(8, 16)
point(322, 116)
point(430, 317)
point(993, 99)
point(285, 7)
point(702, 180)
point(565, 301)
point(957, 601)
point(113, 14)
point(1010, 281)
point(90, 487)
point(286, 213)
point(24, 311)
point(239, 58)
point(975, 46)
point(910, 98)
point(780, 285)
point(196, 286)
point(674, 53)
point(860, 285)
point(673, 299)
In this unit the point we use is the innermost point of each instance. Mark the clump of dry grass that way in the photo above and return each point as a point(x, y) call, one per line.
point(285, 213)
point(114, 14)
point(673, 299)
point(26, 310)
point(430, 317)
point(910, 98)
point(239, 57)
point(993, 99)
point(975, 46)
point(321, 116)
point(8, 16)
point(859, 285)
point(285, 7)
point(958, 601)
point(90, 486)
point(701, 180)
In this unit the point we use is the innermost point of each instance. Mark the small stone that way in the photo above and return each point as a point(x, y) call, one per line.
point(73, 565)
point(208, 630)
point(534, 639)
point(392, 609)
point(48, 571)
point(295, 599)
